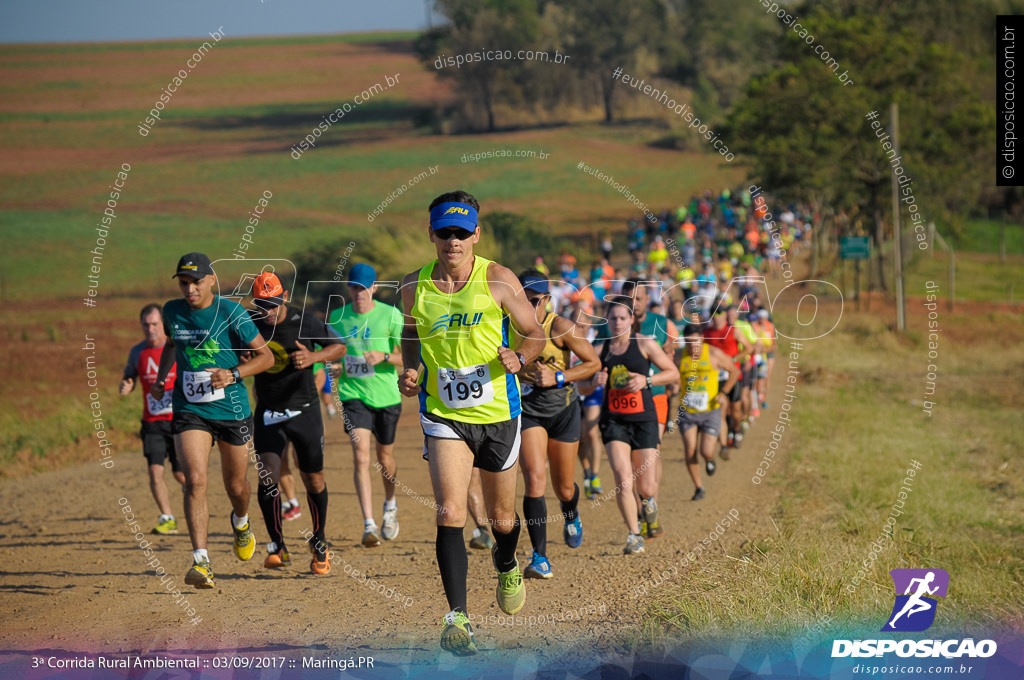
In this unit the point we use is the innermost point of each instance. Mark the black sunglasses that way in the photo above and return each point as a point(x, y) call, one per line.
point(458, 232)
point(536, 300)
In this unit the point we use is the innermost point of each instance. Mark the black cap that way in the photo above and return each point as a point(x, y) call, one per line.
point(196, 265)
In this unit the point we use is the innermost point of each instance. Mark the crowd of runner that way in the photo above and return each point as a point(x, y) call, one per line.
point(539, 370)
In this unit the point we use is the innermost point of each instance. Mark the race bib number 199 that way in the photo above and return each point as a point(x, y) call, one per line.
point(465, 387)
point(198, 389)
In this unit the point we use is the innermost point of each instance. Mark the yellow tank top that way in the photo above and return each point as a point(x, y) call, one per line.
point(699, 382)
point(557, 359)
point(460, 334)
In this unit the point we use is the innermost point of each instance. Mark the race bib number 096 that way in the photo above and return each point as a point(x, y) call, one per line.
point(465, 387)
point(198, 387)
point(624, 401)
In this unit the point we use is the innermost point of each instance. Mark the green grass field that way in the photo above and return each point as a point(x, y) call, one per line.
point(857, 425)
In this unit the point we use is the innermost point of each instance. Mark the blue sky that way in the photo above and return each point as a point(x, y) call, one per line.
point(123, 20)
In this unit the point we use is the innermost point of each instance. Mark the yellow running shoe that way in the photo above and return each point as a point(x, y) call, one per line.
point(245, 542)
point(166, 526)
point(510, 591)
point(200, 575)
point(457, 636)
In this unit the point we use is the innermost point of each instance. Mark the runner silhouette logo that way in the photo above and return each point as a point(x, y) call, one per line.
point(917, 590)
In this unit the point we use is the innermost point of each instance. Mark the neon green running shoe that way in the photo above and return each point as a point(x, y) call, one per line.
point(166, 525)
point(457, 635)
point(510, 591)
point(200, 575)
point(245, 542)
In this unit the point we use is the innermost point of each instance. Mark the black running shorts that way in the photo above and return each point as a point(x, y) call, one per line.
point(563, 426)
point(495, 446)
point(639, 435)
point(381, 422)
point(305, 430)
point(158, 443)
point(233, 432)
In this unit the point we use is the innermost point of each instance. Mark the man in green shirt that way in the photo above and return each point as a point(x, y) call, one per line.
point(368, 391)
point(205, 336)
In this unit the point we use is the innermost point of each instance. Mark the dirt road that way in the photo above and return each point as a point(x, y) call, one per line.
point(75, 579)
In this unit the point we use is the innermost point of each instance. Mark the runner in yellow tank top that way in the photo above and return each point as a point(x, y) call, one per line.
point(455, 349)
point(699, 410)
point(551, 422)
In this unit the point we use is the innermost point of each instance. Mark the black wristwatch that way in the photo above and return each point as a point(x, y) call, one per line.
point(522, 360)
point(236, 375)
point(387, 355)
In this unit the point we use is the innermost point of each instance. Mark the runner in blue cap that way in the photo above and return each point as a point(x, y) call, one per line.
point(368, 390)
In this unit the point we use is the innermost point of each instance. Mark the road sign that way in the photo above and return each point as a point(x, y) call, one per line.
point(854, 248)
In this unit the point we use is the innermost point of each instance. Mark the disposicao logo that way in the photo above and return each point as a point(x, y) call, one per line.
point(912, 612)
point(455, 209)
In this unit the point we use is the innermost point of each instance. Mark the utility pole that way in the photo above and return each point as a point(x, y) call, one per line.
point(901, 316)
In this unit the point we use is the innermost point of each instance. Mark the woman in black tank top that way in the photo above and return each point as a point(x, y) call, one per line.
point(629, 421)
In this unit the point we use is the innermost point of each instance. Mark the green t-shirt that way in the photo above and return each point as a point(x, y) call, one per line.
point(208, 338)
point(379, 330)
point(656, 326)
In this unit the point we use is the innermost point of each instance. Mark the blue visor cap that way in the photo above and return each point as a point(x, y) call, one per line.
point(460, 215)
point(535, 283)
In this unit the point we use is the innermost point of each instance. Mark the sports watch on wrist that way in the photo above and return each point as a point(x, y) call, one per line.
point(236, 375)
point(650, 383)
point(522, 360)
point(560, 378)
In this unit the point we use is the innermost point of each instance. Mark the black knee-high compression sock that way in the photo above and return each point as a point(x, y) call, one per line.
point(453, 564)
point(270, 505)
point(505, 547)
point(569, 506)
point(318, 510)
point(535, 510)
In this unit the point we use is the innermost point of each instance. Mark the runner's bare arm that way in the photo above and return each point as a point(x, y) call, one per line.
point(599, 379)
point(508, 292)
point(572, 337)
point(323, 355)
point(261, 360)
point(127, 385)
point(721, 361)
point(407, 379)
point(652, 350)
point(672, 343)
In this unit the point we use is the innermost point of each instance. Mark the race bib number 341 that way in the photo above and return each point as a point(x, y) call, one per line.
point(465, 387)
point(198, 387)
